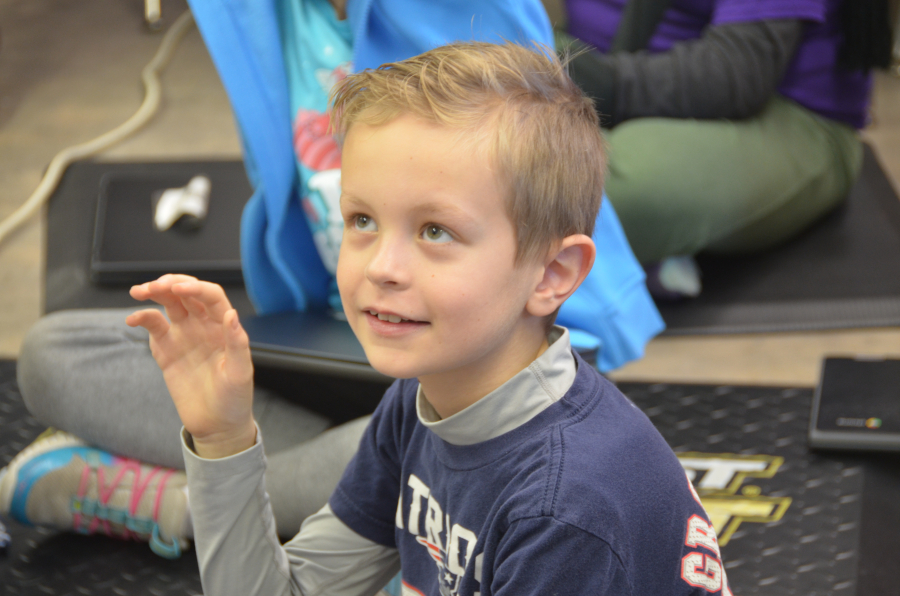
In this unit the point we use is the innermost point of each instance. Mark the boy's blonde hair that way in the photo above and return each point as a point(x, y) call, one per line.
point(543, 132)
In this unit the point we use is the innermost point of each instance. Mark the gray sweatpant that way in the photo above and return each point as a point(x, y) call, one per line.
point(88, 373)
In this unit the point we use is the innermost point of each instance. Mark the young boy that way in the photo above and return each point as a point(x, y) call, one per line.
point(500, 463)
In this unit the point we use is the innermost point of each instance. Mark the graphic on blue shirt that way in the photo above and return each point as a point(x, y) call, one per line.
point(553, 505)
point(703, 567)
point(453, 552)
point(452, 546)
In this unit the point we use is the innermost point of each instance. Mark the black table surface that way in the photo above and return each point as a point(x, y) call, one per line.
point(71, 216)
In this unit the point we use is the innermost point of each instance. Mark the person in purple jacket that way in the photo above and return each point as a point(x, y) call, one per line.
point(732, 124)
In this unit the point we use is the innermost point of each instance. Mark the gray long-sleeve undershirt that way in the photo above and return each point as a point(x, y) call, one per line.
point(234, 531)
point(730, 72)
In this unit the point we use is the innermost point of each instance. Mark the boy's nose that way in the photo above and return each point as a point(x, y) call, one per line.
point(389, 265)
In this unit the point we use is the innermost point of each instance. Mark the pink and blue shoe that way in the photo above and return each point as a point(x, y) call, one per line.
point(61, 482)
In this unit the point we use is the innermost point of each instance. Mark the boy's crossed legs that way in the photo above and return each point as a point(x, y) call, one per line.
point(90, 374)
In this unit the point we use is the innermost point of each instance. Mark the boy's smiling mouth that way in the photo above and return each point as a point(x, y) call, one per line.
point(389, 318)
point(388, 324)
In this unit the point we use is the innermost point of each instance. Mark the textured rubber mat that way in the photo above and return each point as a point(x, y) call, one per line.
point(790, 521)
point(840, 273)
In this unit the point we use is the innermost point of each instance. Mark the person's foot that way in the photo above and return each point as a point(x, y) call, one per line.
point(674, 278)
point(60, 482)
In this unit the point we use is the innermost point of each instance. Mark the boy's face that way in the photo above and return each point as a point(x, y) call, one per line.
point(428, 246)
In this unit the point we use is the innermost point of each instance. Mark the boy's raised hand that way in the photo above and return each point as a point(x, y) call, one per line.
point(204, 355)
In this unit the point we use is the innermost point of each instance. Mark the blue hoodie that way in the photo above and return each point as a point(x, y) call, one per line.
point(276, 59)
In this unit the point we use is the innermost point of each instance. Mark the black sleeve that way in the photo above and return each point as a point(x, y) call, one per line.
point(730, 72)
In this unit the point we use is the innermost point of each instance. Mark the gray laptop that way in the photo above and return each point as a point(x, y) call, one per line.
point(311, 342)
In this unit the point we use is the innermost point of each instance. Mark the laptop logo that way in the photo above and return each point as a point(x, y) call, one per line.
point(870, 423)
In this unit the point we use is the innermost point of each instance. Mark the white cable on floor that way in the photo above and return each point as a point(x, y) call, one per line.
point(152, 96)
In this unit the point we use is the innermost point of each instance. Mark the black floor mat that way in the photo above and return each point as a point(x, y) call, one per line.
point(800, 523)
point(841, 273)
point(809, 523)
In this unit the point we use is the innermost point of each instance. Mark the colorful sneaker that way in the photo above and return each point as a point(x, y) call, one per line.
point(61, 482)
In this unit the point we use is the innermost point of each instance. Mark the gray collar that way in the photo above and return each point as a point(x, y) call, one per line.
point(514, 403)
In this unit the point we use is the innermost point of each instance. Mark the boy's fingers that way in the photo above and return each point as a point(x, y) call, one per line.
point(195, 307)
point(238, 363)
point(211, 295)
point(171, 279)
point(160, 291)
point(138, 292)
point(160, 285)
point(174, 308)
point(151, 319)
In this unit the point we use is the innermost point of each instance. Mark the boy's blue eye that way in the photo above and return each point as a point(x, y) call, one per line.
point(436, 234)
point(364, 223)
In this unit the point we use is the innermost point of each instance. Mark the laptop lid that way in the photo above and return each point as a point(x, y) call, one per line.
point(313, 342)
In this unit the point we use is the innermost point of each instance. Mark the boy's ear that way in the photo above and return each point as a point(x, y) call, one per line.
point(565, 268)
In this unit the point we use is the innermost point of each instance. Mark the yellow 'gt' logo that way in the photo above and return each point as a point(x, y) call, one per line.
point(718, 477)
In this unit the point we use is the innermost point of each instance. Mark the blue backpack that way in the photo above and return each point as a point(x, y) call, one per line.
point(279, 58)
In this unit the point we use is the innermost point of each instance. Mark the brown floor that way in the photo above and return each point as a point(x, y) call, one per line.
point(69, 71)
